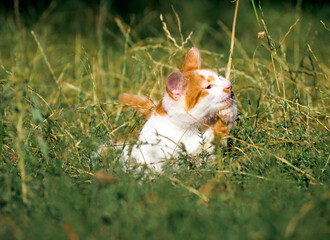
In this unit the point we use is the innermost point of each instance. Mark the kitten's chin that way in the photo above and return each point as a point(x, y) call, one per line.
point(226, 103)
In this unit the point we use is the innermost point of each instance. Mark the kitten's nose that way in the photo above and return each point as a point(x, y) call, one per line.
point(227, 88)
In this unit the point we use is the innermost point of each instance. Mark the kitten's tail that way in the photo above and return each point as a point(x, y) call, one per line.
point(140, 103)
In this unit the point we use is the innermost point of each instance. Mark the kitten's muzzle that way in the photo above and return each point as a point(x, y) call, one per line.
point(227, 99)
point(227, 88)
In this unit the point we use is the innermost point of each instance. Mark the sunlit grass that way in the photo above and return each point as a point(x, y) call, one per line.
point(60, 79)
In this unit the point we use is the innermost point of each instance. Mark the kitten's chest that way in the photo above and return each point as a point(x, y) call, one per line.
point(172, 134)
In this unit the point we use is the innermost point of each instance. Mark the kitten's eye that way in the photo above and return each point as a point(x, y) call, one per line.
point(209, 86)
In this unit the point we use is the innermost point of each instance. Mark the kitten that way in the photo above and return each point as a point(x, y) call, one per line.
point(196, 100)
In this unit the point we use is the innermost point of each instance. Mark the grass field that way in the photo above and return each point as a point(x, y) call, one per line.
point(61, 74)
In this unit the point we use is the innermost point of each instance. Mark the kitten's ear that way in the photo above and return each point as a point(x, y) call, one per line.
point(192, 61)
point(175, 85)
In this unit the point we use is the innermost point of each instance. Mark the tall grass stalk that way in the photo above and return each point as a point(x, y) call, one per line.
point(232, 42)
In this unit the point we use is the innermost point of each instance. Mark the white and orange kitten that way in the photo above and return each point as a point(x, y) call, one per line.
point(196, 100)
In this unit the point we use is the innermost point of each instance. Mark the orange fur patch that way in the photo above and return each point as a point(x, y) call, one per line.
point(140, 103)
point(210, 79)
point(170, 94)
point(160, 109)
point(226, 90)
point(192, 60)
point(221, 128)
point(194, 90)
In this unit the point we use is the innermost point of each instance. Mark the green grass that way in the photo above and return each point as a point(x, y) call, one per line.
point(60, 80)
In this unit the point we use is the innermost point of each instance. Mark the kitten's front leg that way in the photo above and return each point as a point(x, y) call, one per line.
point(225, 121)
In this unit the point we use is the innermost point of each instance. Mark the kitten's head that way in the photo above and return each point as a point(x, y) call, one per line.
point(199, 91)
